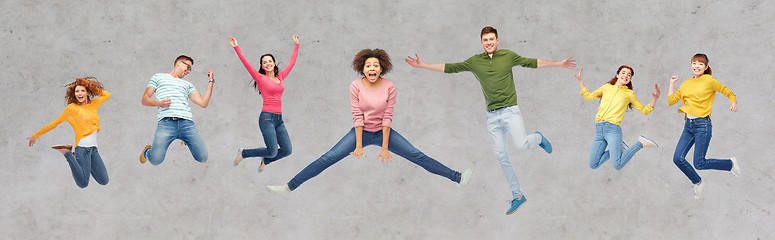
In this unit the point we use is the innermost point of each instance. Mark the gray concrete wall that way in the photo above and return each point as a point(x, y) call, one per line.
point(45, 44)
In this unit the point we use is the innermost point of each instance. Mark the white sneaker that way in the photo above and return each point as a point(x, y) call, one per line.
point(281, 190)
point(735, 167)
point(646, 140)
point(466, 175)
point(698, 190)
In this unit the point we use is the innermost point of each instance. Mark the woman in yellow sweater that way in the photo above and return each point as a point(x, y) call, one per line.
point(81, 113)
point(615, 96)
point(697, 95)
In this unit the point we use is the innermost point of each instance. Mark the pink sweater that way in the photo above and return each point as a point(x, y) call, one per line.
point(271, 92)
point(372, 108)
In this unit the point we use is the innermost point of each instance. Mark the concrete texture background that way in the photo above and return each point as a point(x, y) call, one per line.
point(45, 44)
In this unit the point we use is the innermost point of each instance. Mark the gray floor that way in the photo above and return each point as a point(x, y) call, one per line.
point(45, 45)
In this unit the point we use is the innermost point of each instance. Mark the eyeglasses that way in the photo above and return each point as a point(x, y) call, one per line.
point(187, 65)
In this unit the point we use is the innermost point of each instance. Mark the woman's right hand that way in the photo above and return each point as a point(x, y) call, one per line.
point(32, 140)
point(296, 39)
point(232, 41)
point(358, 152)
point(673, 79)
point(579, 75)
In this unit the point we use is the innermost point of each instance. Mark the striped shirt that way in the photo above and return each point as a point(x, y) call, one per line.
point(177, 90)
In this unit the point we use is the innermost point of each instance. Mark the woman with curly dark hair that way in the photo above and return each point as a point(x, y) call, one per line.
point(372, 99)
point(81, 113)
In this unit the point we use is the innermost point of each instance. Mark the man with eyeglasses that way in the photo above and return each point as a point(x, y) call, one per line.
point(174, 115)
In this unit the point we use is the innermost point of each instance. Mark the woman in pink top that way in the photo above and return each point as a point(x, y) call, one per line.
point(372, 99)
point(268, 80)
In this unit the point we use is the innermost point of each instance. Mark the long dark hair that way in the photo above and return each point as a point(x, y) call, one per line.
point(629, 84)
point(261, 69)
point(699, 57)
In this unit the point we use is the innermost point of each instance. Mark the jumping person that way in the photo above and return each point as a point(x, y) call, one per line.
point(372, 99)
point(697, 94)
point(81, 113)
point(615, 97)
point(268, 80)
point(174, 115)
point(493, 69)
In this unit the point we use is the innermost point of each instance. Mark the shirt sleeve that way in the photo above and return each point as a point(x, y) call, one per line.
point(387, 116)
point(53, 124)
point(287, 70)
point(253, 73)
point(645, 110)
point(104, 96)
point(154, 83)
point(525, 62)
point(675, 97)
point(458, 67)
point(191, 89)
point(355, 106)
point(718, 87)
point(592, 95)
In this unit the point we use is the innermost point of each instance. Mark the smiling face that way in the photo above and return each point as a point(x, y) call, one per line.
point(623, 77)
point(490, 42)
point(81, 95)
point(182, 68)
point(267, 63)
point(372, 69)
point(698, 68)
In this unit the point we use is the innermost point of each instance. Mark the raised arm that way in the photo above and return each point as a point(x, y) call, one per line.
point(568, 63)
point(253, 73)
point(203, 101)
point(287, 69)
point(581, 81)
point(415, 62)
point(673, 97)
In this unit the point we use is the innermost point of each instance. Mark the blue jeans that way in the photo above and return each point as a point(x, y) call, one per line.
point(396, 144)
point(87, 161)
point(500, 122)
point(273, 129)
point(169, 129)
point(697, 132)
point(609, 134)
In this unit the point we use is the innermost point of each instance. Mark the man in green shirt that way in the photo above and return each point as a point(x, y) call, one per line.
point(493, 70)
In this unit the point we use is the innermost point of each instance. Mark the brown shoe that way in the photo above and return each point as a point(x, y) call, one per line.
point(142, 154)
point(68, 147)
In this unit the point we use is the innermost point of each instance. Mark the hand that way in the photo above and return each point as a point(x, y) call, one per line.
point(568, 63)
point(210, 74)
point(732, 108)
point(656, 92)
point(32, 140)
point(164, 103)
point(295, 39)
point(673, 79)
point(385, 156)
point(358, 152)
point(233, 41)
point(579, 75)
point(414, 62)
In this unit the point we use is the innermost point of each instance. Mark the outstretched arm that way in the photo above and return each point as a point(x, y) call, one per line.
point(656, 94)
point(581, 81)
point(203, 101)
point(415, 62)
point(568, 63)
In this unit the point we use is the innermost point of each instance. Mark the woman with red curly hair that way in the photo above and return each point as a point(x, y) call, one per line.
point(81, 113)
point(372, 99)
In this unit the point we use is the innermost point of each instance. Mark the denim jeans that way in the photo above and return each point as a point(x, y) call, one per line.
point(273, 129)
point(500, 122)
point(396, 144)
point(697, 132)
point(169, 129)
point(85, 162)
point(609, 134)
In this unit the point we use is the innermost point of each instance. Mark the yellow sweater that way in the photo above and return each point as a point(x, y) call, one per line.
point(83, 118)
point(613, 102)
point(697, 95)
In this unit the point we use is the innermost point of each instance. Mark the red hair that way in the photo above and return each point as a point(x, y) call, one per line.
point(93, 88)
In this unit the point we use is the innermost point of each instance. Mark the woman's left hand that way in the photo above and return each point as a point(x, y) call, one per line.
point(295, 39)
point(656, 92)
point(733, 107)
point(385, 156)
